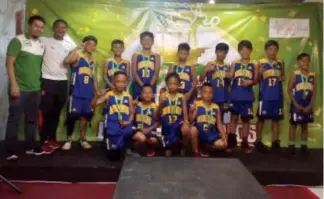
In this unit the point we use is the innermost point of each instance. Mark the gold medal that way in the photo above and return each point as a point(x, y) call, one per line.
point(305, 94)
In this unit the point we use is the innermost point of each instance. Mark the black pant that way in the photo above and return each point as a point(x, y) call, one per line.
point(26, 103)
point(54, 94)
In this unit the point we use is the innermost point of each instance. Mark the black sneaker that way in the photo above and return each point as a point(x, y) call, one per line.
point(231, 140)
point(292, 149)
point(275, 146)
point(260, 147)
point(36, 151)
point(304, 149)
point(246, 147)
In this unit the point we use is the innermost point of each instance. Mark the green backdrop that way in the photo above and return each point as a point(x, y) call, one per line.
point(203, 26)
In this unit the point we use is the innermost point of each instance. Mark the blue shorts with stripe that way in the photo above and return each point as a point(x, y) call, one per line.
point(270, 110)
point(300, 117)
point(80, 107)
point(242, 108)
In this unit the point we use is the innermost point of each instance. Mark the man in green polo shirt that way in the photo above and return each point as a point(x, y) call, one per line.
point(24, 59)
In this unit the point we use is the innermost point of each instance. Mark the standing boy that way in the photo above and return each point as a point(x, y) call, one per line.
point(218, 75)
point(117, 63)
point(272, 71)
point(186, 72)
point(244, 75)
point(83, 88)
point(145, 65)
point(302, 92)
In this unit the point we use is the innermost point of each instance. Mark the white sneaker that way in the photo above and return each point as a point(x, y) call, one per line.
point(12, 157)
point(67, 145)
point(85, 145)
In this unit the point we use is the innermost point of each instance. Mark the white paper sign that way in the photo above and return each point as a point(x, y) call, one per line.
point(288, 28)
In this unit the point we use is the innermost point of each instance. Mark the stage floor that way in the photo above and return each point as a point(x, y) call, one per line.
point(78, 165)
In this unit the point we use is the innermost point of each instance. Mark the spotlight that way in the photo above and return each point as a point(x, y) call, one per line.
point(211, 1)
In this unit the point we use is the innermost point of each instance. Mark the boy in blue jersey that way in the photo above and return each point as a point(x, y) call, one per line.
point(208, 129)
point(119, 117)
point(145, 122)
point(302, 92)
point(116, 63)
point(218, 75)
point(172, 112)
point(83, 88)
point(145, 65)
point(272, 72)
point(244, 76)
point(186, 72)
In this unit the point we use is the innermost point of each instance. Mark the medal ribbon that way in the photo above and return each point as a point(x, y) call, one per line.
point(209, 115)
point(146, 61)
point(173, 108)
point(118, 104)
point(243, 68)
point(304, 83)
point(273, 67)
point(115, 66)
point(143, 116)
point(219, 71)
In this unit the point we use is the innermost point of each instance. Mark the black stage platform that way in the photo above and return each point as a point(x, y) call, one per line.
point(78, 165)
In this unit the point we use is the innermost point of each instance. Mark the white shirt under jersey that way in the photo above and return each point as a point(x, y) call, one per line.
point(53, 66)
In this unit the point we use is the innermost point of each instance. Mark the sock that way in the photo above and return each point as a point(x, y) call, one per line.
point(291, 142)
point(303, 142)
point(244, 139)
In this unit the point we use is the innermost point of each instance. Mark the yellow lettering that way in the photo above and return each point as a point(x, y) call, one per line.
point(271, 73)
point(85, 70)
point(302, 86)
point(243, 73)
point(119, 108)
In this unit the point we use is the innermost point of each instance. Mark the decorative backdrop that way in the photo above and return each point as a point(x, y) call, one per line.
point(202, 26)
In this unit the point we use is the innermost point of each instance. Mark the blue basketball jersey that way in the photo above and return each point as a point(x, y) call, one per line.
point(184, 73)
point(242, 72)
point(303, 89)
point(172, 113)
point(220, 85)
point(113, 67)
point(82, 77)
point(270, 88)
point(145, 67)
point(144, 116)
point(206, 117)
point(118, 108)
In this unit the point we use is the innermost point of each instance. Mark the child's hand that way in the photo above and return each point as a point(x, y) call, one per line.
point(299, 108)
point(246, 83)
point(124, 123)
point(228, 75)
point(135, 102)
point(163, 98)
point(209, 68)
point(307, 109)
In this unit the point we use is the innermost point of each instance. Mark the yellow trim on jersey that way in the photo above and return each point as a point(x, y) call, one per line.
point(297, 72)
point(141, 65)
point(271, 73)
point(112, 93)
point(303, 86)
point(166, 111)
point(240, 72)
point(118, 109)
point(85, 70)
point(83, 55)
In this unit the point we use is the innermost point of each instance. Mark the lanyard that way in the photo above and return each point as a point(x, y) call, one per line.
point(219, 71)
point(273, 67)
point(116, 66)
point(144, 116)
point(173, 108)
point(180, 69)
point(304, 83)
point(118, 104)
point(243, 68)
point(209, 115)
point(146, 61)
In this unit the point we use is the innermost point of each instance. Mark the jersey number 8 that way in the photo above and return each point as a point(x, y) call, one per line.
point(86, 79)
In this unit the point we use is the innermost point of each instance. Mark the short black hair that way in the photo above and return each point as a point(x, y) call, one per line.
point(222, 47)
point(119, 73)
point(271, 43)
point(116, 41)
point(184, 46)
point(90, 38)
point(36, 18)
point(60, 21)
point(206, 84)
point(147, 34)
point(302, 55)
point(172, 75)
point(246, 44)
point(146, 85)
